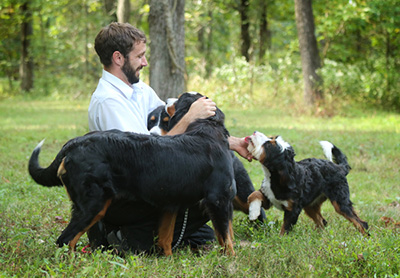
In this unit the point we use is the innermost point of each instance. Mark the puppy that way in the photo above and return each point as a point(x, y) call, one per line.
point(158, 119)
point(292, 186)
point(168, 172)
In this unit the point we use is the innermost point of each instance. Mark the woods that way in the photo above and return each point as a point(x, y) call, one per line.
point(305, 70)
point(352, 46)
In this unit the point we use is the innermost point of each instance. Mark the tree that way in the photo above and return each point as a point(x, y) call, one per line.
point(26, 66)
point(123, 10)
point(264, 32)
point(310, 60)
point(243, 9)
point(167, 47)
point(109, 7)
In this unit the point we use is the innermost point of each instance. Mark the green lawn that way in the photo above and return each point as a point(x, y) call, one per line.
point(32, 216)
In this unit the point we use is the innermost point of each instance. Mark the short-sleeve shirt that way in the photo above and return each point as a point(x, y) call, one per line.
point(116, 105)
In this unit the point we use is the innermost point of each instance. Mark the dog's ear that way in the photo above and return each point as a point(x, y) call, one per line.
point(170, 106)
point(289, 153)
point(170, 110)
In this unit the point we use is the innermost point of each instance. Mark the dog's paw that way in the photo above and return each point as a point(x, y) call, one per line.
point(61, 241)
point(254, 209)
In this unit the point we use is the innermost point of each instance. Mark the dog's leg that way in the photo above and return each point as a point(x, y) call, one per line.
point(240, 205)
point(220, 213)
point(314, 212)
point(166, 232)
point(256, 200)
point(289, 220)
point(81, 222)
point(229, 240)
point(99, 216)
point(226, 239)
point(348, 212)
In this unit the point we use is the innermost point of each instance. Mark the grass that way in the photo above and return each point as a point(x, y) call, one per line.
point(32, 217)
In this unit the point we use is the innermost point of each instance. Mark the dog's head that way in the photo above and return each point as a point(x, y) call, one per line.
point(158, 119)
point(269, 151)
point(182, 106)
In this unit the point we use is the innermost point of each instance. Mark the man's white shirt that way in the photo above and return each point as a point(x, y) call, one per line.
point(116, 105)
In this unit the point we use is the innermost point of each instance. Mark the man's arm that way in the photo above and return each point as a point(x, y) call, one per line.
point(200, 109)
point(239, 145)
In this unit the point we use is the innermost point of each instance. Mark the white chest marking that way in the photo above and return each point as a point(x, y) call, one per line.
point(267, 191)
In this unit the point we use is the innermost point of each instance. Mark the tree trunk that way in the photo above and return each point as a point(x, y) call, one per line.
point(265, 34)
point(109, 6)
point(123, 11)
point(167, 47)
point(26, 66)
point(205, 41)
point(310, 59)
point(244, 28)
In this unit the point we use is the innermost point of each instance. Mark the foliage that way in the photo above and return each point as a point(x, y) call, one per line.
point(358, 36)
point(371, 86)
point(243, 84)
point(32, 217)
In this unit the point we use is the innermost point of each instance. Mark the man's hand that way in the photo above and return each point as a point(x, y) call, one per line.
point(240, 146)
point(201, 109)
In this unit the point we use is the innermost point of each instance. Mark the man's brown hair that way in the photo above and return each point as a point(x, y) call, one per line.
point(116, 36)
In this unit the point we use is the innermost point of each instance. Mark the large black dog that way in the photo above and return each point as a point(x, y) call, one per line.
point(158, 122)
point(165, 171)
point(293, 186)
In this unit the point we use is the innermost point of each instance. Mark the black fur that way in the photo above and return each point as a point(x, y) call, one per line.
point(244, 185)
point(164, 171)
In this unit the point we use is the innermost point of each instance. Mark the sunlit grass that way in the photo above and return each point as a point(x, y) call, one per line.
point(370, 139)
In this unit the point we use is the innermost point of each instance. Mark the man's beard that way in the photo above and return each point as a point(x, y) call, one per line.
point(130, 72)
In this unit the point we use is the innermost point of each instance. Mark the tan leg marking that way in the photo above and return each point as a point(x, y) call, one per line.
point(100, 215)
point(166, 232)
point(355, 220)
point(314, 212)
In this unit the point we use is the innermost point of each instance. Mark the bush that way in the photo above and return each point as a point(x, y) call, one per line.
point(367, 82)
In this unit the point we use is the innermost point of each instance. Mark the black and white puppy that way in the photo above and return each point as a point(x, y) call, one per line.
point(293, 186)
point(158, 119)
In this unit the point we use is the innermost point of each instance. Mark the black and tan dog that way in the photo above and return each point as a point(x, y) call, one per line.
point(158, 122)
point(165, 171)
point(293, 186)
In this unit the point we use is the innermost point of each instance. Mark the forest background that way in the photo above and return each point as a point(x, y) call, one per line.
point(254, 58)
point(240, 52)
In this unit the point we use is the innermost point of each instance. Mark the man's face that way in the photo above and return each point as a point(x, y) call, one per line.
point(134, 62)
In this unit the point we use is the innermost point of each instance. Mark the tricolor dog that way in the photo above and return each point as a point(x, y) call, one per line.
point(159, 123)
point(293, 186)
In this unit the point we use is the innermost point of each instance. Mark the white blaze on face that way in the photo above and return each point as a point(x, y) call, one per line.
point(256, 142)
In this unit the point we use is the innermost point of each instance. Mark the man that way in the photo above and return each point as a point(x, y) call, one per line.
point(122, 101)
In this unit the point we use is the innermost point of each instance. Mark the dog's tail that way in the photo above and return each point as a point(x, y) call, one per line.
point(334, 154)
point(44, 176)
